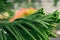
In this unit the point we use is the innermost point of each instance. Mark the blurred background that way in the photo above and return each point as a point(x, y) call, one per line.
point(48, 5)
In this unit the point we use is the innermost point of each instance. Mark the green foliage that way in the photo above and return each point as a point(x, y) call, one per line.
point(34, 27)
point(4, 5)
point(5, 16)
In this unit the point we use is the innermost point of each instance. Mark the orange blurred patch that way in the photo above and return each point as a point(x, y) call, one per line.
point(22, 13)
point(30, 10)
